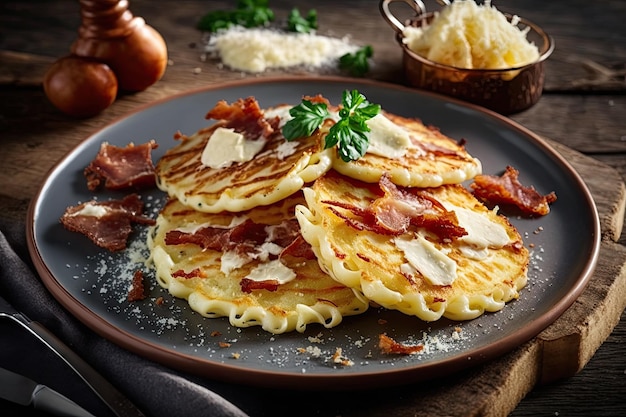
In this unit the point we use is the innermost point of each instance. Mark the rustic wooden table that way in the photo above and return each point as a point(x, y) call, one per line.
point(582, 112)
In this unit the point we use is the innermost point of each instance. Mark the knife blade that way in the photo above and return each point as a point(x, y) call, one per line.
point(114, 399)
point(24, 391)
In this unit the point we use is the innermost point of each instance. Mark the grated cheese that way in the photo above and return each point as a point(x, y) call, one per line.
point(256, 50)
point(467, 35)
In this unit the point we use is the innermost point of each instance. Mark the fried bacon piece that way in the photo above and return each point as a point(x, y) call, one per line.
point(195, 273)
point(389, 346)
point(507, 190)
point(118, 168)
point(137, 290)
point(242, 237)
point(393, 213)
point(245, 117)
point(108, 224)
point(298, 248)
point(248, 285)
point(220, 239)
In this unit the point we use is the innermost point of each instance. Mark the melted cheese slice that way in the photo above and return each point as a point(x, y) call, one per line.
point(414, 273)
point(387, 138)
point(412, 154)
point(225, 146)
point(425, 259)
point(211, 280)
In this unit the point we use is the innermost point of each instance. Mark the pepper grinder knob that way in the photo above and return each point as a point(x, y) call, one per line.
point(110, 33)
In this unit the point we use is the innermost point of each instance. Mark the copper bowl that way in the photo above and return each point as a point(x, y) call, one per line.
point(505, 91)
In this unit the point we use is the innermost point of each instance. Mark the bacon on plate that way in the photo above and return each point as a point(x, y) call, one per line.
point(108, 224)
point(245, 116)
point(118, 168)
point(388, 345)
point(507, 190)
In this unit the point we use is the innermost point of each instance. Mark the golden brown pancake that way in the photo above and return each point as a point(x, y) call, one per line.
point(417, 271)
point(235, 265)
point(431, 159)
point(280, 169)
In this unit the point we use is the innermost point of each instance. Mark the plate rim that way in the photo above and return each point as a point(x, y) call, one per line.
point(324, 381)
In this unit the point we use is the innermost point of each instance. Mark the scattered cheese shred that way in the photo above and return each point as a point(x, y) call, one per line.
point(256, 50)
point(467, 35)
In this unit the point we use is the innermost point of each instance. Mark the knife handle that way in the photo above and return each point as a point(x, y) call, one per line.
point(50, 401)
point(115, 400)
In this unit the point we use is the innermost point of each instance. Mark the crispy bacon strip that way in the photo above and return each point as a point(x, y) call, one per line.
point(507, 190)
point(194, 273)
point(389, 346)
point(298, 248)
point(137, 290)
point(220, 239)
point(393, 213)
point(111, 228)
point(244, 116)
point(248, 285)
point(245, 237)
point(118, 168)
point(248, 232)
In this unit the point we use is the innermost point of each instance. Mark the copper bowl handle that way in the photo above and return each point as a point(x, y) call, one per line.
point(393, 21)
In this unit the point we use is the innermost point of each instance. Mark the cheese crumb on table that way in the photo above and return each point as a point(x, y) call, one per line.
point(467, 35)
point(257, 50)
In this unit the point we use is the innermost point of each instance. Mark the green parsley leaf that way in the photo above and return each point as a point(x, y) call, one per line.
point(307, 117)
point(356, 63)
point(349, 133)
point(248, 13)
point(297, 23)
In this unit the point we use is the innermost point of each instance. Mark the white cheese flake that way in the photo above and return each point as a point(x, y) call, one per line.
point(272, 270)
point(282, 112)
point(225, 146)
point(425, 258)
point(91, 210)
point(192, 228)
point(387, 138)
point(231, 261)
point(482, 232)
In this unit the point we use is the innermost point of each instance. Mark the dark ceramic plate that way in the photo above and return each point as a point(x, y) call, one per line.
point(92, 284)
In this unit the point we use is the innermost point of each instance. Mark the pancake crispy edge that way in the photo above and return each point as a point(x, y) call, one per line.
point(373, 264)
point(190, 272)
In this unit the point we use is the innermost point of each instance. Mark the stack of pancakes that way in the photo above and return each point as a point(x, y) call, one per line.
point(347, 267)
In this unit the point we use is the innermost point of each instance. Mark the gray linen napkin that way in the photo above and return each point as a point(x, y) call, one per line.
point(155, 389)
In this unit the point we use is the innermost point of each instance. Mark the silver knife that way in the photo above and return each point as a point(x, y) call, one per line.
point(115, 400)
point(24, 391)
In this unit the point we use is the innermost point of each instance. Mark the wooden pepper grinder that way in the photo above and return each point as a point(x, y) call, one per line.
point(110, 33)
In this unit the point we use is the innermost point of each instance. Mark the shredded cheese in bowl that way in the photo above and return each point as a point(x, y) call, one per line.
point(471, 36)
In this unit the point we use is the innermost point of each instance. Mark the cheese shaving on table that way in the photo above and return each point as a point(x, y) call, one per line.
point(467, 35)
point(256, 50)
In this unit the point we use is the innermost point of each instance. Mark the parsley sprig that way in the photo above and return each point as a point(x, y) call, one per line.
point(301, 24)
point(248, 13)
point(357, 63)
point(348, 134)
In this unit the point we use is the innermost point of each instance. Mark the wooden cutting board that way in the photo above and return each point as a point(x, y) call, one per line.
point(565, 347)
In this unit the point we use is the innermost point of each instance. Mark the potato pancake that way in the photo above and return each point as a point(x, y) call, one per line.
point(431, 252)
point(252, 267)
point(219, 169)
point(412, 154)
